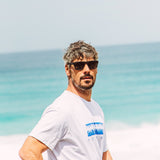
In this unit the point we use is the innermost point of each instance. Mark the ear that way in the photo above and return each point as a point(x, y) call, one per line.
point(67, 70)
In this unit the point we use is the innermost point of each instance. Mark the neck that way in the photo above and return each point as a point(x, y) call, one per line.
point(85, 94)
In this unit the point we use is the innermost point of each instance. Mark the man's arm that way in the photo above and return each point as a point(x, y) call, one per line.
point(32, 149)
point(107, 156)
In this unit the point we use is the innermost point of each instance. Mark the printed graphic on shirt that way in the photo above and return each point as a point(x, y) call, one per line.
point(95, 128)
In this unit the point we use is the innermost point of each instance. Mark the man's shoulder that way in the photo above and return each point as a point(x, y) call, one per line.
point(64, 99)
point(97, 106)
point(95, 103)
point(63, 102)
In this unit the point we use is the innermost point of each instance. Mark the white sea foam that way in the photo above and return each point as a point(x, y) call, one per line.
point(135, 143)
point(127, 143)
point(10, 146)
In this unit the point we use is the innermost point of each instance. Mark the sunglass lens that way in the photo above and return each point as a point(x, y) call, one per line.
point(93, 64)
point(79, 65)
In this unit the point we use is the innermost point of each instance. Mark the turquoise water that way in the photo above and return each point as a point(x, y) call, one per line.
point(127, 86)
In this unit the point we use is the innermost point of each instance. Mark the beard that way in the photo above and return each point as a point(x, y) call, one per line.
point(81, 87)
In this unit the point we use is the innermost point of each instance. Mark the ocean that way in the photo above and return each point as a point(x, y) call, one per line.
point(127, 88)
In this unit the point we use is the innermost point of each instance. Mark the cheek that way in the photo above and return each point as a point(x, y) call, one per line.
point(74, 75)
point(95, 73)
point(77, 77)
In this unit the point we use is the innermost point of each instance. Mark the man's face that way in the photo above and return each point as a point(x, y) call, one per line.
point(83, 79)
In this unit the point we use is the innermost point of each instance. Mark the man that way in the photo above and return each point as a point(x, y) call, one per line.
point(72, 127)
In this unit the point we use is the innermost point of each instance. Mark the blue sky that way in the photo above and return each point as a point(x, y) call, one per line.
point(49, 24)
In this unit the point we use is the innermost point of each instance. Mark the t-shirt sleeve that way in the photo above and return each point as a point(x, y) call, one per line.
point(51, 128)
point(105, 146)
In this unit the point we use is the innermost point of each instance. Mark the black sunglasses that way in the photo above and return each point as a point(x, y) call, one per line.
point(80, 65)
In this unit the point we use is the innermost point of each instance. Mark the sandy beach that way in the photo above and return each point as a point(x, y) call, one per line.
point(129, 143)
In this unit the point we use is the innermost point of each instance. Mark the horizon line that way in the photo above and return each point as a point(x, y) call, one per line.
point(96, 46)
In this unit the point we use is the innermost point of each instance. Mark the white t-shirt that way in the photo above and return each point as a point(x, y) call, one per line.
point(72, 128)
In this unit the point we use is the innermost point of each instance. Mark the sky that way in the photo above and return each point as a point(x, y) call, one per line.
point(54, 24)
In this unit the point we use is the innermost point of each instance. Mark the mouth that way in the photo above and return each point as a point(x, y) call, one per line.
point(86, 77)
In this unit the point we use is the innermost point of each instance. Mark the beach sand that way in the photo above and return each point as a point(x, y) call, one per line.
point(142, 143)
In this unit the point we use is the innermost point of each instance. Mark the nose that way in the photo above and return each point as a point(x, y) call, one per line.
point(86, 69)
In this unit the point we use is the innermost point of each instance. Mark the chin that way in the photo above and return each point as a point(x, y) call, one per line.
point(82, 86)
point(86, 87)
